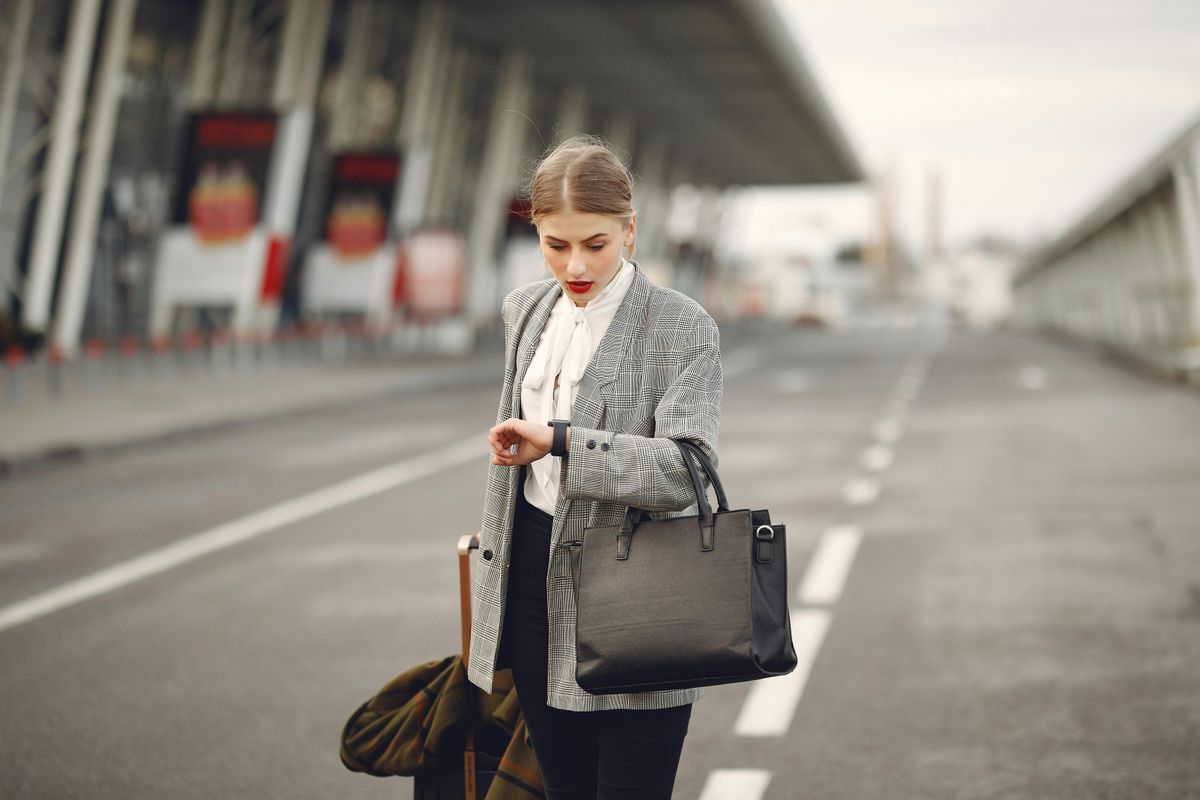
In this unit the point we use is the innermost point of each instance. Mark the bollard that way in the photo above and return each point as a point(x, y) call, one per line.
point(290, 341)
point(244, 351)
point(130, 347)
point(218, 352)
point(374, 340)
point(14, 366)
point(93, 363)
point(268, 350)
point(160, 346)
point(391, 336)
point(55, 367)
point(190, 345)
point(333, 343)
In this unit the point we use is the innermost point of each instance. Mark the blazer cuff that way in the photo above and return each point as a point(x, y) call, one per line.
point(641, 471)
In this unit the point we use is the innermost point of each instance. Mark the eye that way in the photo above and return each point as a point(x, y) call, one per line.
point(596, 248)
point(555, 246)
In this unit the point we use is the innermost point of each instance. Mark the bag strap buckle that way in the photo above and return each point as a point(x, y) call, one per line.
point(764, 545)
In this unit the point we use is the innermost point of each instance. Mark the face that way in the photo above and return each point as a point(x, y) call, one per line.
point(584, 250)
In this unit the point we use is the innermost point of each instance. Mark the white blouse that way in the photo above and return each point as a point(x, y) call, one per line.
point(571, 336)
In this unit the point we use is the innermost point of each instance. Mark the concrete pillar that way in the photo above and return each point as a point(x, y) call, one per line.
point(424, 98)
point(497, 178)
point(1107, 322)
point(1141, 266)
point(1139, 324)
point(303, 52)
point(571, 117)
point(452, 129)
point(56, 179)
point(14, 51)
point(85, 215)
point(1186, 177)
point(651, 199)
point(202, 80)
point(236, 52)
point(351, 76)
point(292, 57)
point(1163, 225)
point(1122, 297)
point(619, 131)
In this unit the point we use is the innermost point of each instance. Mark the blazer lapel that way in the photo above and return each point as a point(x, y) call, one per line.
point(605, 363)
point(603, 367)
point(530, 332)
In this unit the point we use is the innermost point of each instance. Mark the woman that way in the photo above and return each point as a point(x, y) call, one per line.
point(614, 367)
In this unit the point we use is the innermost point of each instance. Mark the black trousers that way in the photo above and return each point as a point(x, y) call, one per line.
point(597, 755)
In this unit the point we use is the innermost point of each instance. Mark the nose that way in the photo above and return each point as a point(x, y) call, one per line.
point(576, 268)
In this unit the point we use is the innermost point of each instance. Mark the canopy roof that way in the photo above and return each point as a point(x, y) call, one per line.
point(722, 81)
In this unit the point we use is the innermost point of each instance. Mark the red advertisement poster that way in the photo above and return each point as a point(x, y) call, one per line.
point(435, 264)
point(227, 157)
point(360, 202)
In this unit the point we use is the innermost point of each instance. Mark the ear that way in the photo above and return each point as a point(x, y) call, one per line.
point(631, 230)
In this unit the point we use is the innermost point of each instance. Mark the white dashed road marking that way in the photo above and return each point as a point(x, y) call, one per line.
point(888, 430)
point(1032, 378)
point(735, 784)
point(793, 381)
point(877, 458)
point(245, 528)
point(768, 709)
point(861, 491)
point(830, 564)
point(739, 361)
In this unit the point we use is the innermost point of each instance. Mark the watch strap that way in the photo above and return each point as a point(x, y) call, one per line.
point(558, 445)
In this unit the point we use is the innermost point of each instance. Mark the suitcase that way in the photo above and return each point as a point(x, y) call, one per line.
point(484, 747)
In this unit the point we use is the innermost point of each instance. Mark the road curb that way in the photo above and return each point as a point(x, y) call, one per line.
point(475, 372)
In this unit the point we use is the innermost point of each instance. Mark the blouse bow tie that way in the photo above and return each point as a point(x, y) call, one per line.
point(564, 351)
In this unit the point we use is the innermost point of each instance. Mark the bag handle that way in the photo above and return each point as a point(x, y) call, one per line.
point(635, 516)
point(707, 465)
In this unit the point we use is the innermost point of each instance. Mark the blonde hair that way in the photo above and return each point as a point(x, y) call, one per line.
point(583, 174)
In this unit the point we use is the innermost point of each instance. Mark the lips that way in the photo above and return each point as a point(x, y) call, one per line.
point(579, 286)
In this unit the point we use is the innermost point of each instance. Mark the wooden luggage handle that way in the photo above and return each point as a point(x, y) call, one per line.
point(465, 545)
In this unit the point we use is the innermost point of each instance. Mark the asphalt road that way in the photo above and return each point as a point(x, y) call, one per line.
point(1019, 617)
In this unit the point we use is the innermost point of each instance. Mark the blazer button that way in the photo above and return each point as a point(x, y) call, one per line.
point(591, 444)
point(487, 555)
point(604, 446)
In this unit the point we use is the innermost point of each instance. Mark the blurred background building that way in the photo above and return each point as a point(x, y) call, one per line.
point(238, 167)
point(182, 171)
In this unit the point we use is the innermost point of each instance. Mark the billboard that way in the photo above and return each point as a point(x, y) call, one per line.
point(360, 203)
point(227, 156)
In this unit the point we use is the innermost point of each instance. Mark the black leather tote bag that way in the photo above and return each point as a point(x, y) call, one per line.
point(685, 601)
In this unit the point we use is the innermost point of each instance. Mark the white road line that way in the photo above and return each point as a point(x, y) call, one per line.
point(793, 381)
point(877, 458)
point(861, 491)
point(897, 407)
point(888, 430)
point(826, 572)
point(1032, 378)
point(739, 361)
point(771, 703)
point(19, 552)
point(735, 784)
point(245, 528)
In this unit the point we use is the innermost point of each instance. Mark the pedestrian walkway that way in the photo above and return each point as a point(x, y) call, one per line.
point(88, 409)
point(54, 412)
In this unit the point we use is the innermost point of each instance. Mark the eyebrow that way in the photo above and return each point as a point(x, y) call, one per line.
point(588, 239)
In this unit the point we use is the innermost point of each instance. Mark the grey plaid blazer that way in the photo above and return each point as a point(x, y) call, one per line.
point(656, 376)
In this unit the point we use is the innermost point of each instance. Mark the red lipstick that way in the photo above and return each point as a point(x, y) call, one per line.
point(579, 286)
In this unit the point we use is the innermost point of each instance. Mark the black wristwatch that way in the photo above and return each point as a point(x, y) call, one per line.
point(558, 446)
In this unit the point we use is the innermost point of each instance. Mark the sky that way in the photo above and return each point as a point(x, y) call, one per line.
point(1031, 110)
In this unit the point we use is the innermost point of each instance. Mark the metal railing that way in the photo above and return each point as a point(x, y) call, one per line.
point(1127, 275)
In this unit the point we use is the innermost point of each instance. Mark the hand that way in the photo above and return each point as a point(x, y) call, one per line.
point(532, 440)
